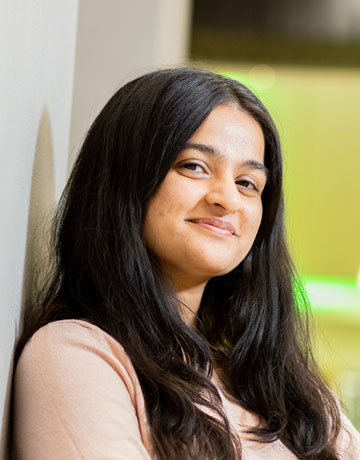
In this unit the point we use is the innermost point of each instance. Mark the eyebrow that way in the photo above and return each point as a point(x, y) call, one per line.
point(213, 151)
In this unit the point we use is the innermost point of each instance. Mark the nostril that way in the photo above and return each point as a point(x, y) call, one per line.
point(227, 200)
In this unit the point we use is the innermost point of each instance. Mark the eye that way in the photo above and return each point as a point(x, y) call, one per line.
point(191, 166)
point(247, 184)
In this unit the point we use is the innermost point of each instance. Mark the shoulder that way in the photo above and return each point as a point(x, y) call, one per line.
point(73, 332)
point(348, 442)
point(61, 345)
point(70, 331)
point(77, 392)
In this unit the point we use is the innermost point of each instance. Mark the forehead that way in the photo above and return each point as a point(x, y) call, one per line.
point(232, 134)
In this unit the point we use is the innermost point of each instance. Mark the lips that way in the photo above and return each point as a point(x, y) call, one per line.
point(218, 223)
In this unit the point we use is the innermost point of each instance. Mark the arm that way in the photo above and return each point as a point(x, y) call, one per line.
point(76, 396)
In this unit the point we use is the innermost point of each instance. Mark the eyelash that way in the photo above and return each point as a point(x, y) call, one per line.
point(184, 165)
point(253, 186)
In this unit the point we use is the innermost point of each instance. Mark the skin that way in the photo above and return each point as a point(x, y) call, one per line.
point(219, 175)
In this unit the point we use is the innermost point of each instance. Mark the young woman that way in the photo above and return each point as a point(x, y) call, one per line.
point(170, 328)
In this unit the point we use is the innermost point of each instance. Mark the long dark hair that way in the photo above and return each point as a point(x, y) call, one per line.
point(249, 323)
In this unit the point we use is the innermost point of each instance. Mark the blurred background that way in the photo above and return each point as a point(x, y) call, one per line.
point(62, 60)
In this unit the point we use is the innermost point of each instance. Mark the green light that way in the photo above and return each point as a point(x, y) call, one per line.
point(332, 294)
point(259, 79)
point(242, 78)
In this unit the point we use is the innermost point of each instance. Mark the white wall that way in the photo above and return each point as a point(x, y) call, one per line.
point(37, 48)
point(115, 40)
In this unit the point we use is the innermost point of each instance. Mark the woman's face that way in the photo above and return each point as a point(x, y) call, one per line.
point(204, 217)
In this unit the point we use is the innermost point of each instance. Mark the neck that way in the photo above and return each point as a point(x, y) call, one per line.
point(190, 298)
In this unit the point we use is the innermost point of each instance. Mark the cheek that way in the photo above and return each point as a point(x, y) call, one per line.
point(254, 207)
point(259, 217)
point(164, 212)
point(169, 197)
point(159, 207)
point(173, 202)
point(253, 219)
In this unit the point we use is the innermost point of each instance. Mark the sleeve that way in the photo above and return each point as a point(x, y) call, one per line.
point(348, 443)
point(75, 399)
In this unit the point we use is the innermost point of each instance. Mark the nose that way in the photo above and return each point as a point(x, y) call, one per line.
point(225, 194)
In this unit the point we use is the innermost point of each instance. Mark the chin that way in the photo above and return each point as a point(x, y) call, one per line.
point(218, 270)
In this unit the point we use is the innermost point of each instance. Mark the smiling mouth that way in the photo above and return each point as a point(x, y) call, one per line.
point(217, 227)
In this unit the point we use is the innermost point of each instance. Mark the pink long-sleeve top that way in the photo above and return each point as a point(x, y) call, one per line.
point(77, 396)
